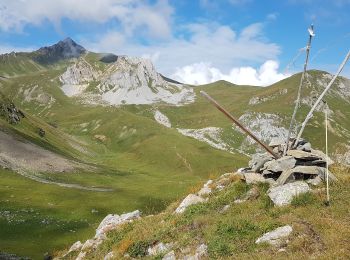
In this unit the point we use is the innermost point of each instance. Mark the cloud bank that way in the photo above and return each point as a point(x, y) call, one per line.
point(203, 73)
point(132, 14)
point(205, 43)
point(147, 29)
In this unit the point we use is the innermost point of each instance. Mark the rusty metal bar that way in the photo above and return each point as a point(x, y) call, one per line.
point(239, 124)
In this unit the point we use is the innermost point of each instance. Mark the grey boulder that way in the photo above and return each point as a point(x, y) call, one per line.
point(283, 195)
point(276, 236)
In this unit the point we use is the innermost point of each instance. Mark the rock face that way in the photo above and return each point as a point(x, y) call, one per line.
point(127, 80)
point(265, 126)
point(283, 195)
point(276, 236)
point(191, 199)
point(135, 81)
point(77, 78)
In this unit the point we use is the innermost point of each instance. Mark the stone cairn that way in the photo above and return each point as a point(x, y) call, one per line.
point(300, 164)
point(291, 174)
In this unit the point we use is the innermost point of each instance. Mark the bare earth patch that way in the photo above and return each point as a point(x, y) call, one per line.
point(26, 158)
point(18, 154)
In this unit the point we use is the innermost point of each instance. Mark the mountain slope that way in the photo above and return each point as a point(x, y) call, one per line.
point(145, 140)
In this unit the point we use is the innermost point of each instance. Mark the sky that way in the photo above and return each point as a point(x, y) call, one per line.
point(194, 41)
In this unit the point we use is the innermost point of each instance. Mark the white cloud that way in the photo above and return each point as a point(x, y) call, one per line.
point(240, 2)
point(272, 16)
point(203, 73)
point(132, 14)
point(211, 43)
point(8, 49)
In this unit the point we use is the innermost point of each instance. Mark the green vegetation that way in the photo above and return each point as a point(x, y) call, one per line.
point(147, 165)
point(318, 231)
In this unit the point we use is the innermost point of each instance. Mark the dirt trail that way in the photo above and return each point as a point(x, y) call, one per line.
point(66, 185)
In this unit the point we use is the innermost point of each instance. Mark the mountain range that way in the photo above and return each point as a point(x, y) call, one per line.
point(84, 134)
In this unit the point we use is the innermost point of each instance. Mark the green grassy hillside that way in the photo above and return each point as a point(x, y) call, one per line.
point(319, 231)
point(145, 164)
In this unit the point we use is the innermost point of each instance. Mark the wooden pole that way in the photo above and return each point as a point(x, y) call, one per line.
point(297, 102)
point(327, 163)
point(239, 124)
point(309, 115)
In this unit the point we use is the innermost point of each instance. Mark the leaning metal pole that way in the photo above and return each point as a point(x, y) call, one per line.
point(309, 115)
point(239, 124)
point(297, 102)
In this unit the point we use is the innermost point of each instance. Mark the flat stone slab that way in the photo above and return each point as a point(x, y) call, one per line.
point(281, 164)
point(285, 175)
point(276, 236)
point(312, 170)
point(301, 155)
point(283, 195)
point(323, 156)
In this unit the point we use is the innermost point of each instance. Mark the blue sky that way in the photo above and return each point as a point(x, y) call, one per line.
point(197, 41)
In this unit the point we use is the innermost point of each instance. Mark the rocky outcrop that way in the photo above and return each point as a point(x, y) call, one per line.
point(135, 81)
point(112, 221)
point(127, 80)
point(109, 223)
point(79, 73)
point(10, 112)
point(162, 119)
point(264, 125)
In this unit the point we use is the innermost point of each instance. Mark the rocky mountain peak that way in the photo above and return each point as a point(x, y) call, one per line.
point(128, 80)
point(64, 49)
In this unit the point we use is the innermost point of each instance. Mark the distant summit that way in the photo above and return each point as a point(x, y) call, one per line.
point(64, 49)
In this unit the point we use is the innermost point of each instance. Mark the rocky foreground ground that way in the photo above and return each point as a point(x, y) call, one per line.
point(291, 179)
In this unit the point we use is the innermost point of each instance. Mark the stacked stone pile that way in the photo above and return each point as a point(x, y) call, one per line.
point(300, 164)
